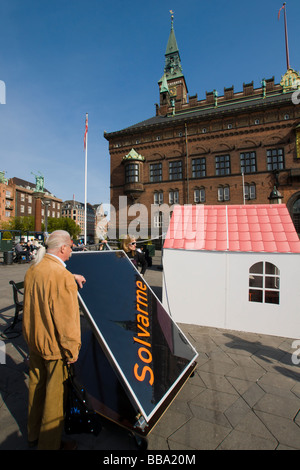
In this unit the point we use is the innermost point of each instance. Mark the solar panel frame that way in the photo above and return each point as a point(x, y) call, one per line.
point(166, 332)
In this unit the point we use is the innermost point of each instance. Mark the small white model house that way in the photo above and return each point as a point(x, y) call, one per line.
point(233, 267)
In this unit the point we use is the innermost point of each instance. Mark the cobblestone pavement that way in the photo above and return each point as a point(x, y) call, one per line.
point(245, 393)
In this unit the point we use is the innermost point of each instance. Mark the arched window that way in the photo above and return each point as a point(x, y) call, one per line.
point(264, 282)
point(296, 215)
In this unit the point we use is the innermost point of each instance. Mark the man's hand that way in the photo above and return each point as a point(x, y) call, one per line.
point(80, 279)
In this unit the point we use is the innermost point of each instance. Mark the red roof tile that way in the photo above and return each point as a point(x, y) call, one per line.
point(255, 228)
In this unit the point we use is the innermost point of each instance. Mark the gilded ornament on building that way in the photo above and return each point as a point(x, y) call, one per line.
point(290, 80)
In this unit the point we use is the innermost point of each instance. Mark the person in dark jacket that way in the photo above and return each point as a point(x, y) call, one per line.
point(137, 258)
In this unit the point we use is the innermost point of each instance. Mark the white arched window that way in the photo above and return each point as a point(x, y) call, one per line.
point(264, 283)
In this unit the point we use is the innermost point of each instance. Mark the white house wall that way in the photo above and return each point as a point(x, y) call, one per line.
point(193, 287)
point(212, 289)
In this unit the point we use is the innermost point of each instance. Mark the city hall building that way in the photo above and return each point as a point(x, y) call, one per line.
point(239, 148)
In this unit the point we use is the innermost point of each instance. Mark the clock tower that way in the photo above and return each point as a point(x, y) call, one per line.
point(172, 85)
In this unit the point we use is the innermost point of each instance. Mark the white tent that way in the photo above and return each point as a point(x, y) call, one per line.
point(233, 267)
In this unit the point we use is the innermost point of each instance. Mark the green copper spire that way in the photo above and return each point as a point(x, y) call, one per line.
point(173, 67)
point(172, 43)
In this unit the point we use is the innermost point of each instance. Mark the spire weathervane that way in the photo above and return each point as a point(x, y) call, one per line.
point(172, 18)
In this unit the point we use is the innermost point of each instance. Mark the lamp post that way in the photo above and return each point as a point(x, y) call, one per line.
point(275, 196)
point(46, 203)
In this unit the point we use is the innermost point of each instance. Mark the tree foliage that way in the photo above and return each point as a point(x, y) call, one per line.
point(64, 223)
point(26, 224)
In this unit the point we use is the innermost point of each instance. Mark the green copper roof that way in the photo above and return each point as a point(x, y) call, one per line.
point(164, 86)
point(133, 155)
point(172, 43)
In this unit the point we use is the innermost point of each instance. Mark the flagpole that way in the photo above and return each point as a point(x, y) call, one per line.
point(286, 35)
point(286, 39)
point(85, 178)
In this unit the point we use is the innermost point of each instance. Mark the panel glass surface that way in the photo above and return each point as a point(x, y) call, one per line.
point(141, 341)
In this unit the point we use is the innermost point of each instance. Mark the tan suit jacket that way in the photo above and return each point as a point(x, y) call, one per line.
point(51, 320)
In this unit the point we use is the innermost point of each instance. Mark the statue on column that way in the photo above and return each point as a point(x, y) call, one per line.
point(39, 183)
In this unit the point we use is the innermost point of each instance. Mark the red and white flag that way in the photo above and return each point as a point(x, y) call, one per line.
point(282, 8)
point(86, 129)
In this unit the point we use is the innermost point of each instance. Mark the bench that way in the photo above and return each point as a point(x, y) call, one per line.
point(19, 258)
point(18, 291)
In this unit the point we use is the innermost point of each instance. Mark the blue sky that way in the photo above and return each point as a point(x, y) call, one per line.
point(62, 58)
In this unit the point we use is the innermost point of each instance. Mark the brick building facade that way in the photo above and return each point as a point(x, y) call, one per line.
point(25, 202)
point(7, 199)
point(241, 147)
point(76, 210)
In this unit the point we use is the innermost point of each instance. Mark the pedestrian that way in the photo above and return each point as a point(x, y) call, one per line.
point(51, 327)
point(136, 257)
point(22, 251)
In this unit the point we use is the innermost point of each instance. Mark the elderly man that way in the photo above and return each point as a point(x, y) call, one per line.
point(51, 327)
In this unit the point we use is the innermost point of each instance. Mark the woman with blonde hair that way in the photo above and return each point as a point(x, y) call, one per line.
point(137, 258)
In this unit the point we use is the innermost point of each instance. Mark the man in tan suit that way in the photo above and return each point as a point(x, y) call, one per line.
point(51, 327)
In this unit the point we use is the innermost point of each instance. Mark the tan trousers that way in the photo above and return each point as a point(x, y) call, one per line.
point(46, 401)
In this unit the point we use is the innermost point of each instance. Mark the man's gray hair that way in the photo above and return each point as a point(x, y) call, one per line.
point(55, 240)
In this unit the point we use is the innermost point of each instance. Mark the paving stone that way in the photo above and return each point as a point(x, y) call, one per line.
point(277, 380)
point(287, 407)
point(199, 435)
point(214, 400)
point(237, 411)
point(238, 440)
point(253, 394)
point(246, 373)
point(250, 423)
point(216, 382)
point(210, 415)
point(284, 430)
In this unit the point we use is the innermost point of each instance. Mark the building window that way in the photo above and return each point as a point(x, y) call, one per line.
point(264, 279)
point(199, 195)
point(22, 197)
point(222, 165)
point(223, 193)
point(296, 215)
point(157, 220)
point(275, 159)
point(248, 162)
point(175, 170)
point(174, 197)
point(158, 197)
point(250, 191)
point(22, 209)
point(155, 172)
point(199, 167)
point(132, 173)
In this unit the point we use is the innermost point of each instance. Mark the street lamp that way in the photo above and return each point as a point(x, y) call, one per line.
point(46, 202)
point(275, 196)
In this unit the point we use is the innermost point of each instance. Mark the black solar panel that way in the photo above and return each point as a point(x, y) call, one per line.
point(132, 352)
